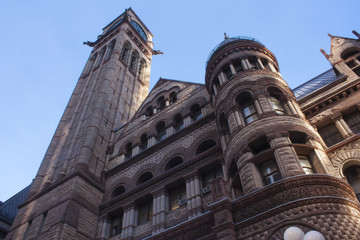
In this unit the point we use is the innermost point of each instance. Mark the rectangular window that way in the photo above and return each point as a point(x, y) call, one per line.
point(177, 197)
point(305, 164)
point(27, 230)
point(211, 175)
point(116, 225)
point(145, 212)
point(270, 172)
point(43, 218)
point(353, 120)
point(330, 134)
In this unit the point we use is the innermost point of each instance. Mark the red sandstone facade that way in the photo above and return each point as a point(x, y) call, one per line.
point(241, 157)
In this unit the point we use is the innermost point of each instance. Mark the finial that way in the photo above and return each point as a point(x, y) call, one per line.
point(226, 36)
point(325, 54)
point(356, 34)
point(330, 35)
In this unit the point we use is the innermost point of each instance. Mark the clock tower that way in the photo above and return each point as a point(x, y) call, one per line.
point(64, 198)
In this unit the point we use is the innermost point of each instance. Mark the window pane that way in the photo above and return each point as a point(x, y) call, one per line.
point(353, 120)
point(330, 135)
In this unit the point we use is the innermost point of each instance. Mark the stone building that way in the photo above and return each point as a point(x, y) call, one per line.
point(242, 156)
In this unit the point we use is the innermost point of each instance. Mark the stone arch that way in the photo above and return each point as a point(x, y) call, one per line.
point(175, 159)
point(144, 177)
point(348, 163)
point(344, 157)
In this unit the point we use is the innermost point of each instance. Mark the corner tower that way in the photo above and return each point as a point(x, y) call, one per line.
point(67, 190)
point(274, 157)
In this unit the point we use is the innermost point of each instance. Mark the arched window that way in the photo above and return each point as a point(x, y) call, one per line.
point(205, 146)
point(142, 67)
point(125, 51)
point(90, 63)
point(133, 60)
point(247, 107)
point(174, 162)
point(100, 58)
point(143, 142)
point(276, 97)
point(178, 122)
point(149, 111)
point(144, 178)
point(110, 50)
point(195, 112)
point(172, 97)
point(161, 103)
point(352, 175)
point(352, 59)
point(118, 191)
point(128, 151)
point(160, 131)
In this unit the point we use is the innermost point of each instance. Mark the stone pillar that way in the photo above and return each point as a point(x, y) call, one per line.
point(340, 124)
point(128, 222)
point(162, 210)
point(222, 78)
point(136, 150)
point(167, 103)
point(131, 221)
point(104, 228)
point(247, 63)
point(152, 141)
point(258, 107)
point(155, 213)
point(232, 122)
point(197, 195)
point(215, 89)
point(188, 197)
point(291, 107)
point(249, 173)
point(170, 130)
point(232, 69)
point(124, 224)
point(285, 155)
point(321, 160)
point(187, 121)
point(243, 64)
point(239, 118)
point(264, 102)
point(260, 63)
point(272, 68)
point(193, 194)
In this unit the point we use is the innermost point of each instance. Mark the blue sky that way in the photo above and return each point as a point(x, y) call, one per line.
point(41, 55)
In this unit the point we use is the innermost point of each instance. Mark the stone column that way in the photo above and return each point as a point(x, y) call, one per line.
point(222, 78)
point(258, 107)
point(243, 64)
point(232, 122)
point(188, 197)
point(193, 194)
point(285, 155)
point(215, 89)
point(170, 130)
point(249, 173)
point(264, 102)
point(260, 63)
point(104, 228)
point(232, 69)
point(239, 118)
point(291, 107)
point(187, 121)
point(197, 195)
point(152, 141)
point(340, 124)
point(162, 209)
